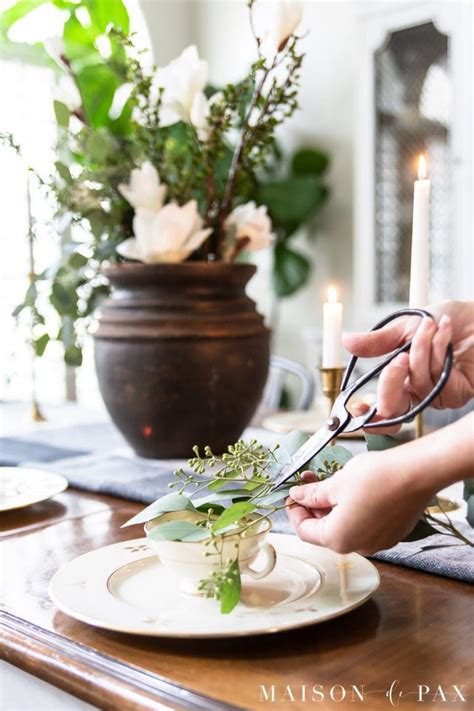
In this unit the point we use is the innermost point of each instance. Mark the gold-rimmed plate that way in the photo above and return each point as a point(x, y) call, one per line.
point(21, 487)
point(124, 587)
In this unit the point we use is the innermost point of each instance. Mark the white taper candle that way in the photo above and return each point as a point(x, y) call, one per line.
point(420, 241)
point(332, 331)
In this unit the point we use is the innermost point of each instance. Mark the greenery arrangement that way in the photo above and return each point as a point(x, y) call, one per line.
point(234, 493)
point(208, 152)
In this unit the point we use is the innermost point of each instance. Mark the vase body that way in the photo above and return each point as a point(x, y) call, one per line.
point(181, 355)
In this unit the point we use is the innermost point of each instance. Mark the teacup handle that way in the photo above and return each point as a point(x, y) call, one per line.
point(270, 554)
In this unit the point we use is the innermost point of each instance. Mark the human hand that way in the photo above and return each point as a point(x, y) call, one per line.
point(410, 377)
point(369, 505)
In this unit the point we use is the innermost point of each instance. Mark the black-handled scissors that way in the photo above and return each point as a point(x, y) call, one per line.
point(340, 419)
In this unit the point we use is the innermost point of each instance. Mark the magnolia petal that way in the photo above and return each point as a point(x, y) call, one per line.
point(197, 239)
point(143, 229)
point(129, 249)
point(144, 188)
point(180, 82)
point(67, 93)
point(289, 17)
point(170, 114)
point(172, 226)
point(199, 115)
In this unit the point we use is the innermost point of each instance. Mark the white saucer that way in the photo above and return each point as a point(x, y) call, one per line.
point(21, 487)
point(124, 587)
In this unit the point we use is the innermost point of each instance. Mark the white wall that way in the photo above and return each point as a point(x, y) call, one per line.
point(220, 29)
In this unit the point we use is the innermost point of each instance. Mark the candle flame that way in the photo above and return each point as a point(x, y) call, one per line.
point(421, 167)
point(332, 294)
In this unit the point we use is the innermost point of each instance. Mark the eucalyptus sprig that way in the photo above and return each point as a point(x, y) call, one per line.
point(236, 496)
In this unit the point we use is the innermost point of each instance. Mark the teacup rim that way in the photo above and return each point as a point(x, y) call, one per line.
point(267, 521)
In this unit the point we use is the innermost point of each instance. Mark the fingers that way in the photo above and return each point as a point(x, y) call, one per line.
point(312, 530)
point(297, 514)
point(309, 477)
point(393, 397)
point(312, 496)
point(376, 343)
point(439, 346)
point(420, 358)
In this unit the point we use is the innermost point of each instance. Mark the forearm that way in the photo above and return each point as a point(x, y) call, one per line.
point(438, 459)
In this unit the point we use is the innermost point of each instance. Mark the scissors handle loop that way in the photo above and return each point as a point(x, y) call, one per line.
point(350, 389)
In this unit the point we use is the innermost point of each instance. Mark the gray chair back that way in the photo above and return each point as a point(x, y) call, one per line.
point(280, 368)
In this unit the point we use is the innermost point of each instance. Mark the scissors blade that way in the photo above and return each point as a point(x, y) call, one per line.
point(307, 451)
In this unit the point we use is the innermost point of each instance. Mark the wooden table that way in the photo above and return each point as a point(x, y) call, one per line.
point(417, 630)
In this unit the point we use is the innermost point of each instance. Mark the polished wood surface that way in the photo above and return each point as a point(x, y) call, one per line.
point(417, 630)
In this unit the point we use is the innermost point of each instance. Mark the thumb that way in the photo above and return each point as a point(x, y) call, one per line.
point(377, 343)
point(314, 496)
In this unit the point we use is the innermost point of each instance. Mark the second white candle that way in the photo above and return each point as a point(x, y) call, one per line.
point(332, 331)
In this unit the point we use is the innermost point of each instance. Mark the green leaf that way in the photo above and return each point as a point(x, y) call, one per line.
point(216, 509)
point(165, 504)
point(64, 300)
point(63, 171)
point(422, 530)
point(291, 270)
point(287, 446)
point(31, 295)
point(221, 496)
point(338, 454)
point(309, 161)
point(97, 84)
point(230, 594)
point(377, 443)
point(105, 13)
point(178, 531)
point(62, 114)
point(79, 43)
point(217, 484)
point(290, 443)
point(77, 260)
point(17, 310)
point(274, 496)
point(100, 145)
point(232, 514)
point(98, 221)
point(73, 356)
point(40, 344)
point(292, 201)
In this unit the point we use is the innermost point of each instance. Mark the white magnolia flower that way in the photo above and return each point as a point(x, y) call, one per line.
point(199, 116)
point(251, 223)
point(167, 235)
point(144, 188)
point(183, 81)
point(67, 93)
point(56, 50)
point(287, 17)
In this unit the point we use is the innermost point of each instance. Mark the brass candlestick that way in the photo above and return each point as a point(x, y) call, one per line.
point(331, 380)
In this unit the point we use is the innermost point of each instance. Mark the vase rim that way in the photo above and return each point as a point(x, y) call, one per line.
point(188, 274)
point(197, 265)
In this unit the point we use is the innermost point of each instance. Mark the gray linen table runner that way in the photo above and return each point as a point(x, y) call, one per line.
point(112, 468)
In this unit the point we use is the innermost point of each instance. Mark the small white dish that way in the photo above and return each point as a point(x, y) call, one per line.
point(192, 561)
point(21, 487)
point(125, 588)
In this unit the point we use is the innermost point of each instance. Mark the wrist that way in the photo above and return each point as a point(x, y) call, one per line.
point(438, 459)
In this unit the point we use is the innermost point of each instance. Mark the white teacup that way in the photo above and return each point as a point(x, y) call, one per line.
point(188, 559)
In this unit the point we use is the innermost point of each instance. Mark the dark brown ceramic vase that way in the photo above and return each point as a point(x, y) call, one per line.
point(181, 355)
